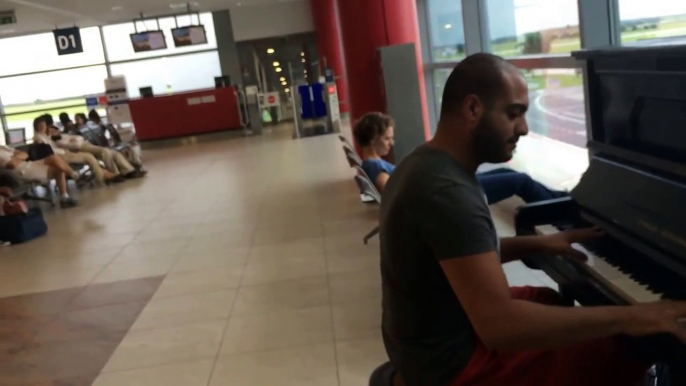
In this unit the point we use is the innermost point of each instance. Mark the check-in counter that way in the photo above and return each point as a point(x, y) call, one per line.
point(184, 114)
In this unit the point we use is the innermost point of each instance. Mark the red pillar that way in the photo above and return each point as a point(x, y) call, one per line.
point(329, 45)
point(366, 26)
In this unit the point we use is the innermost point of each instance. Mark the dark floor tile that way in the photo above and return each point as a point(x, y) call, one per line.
point(108, 323)
point(79, 381)
point(126, 291)
point(24, 329)
point(43, 303)
point(56, 361)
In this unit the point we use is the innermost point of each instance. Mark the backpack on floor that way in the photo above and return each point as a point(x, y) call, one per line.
point(20, 228)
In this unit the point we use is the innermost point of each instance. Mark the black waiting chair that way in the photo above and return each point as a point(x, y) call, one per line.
point(20, 188)
point(367, 187)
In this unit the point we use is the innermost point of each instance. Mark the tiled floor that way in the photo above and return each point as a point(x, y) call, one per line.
point(253, 272)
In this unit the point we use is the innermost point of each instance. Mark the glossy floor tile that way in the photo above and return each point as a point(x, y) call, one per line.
point(237, 261)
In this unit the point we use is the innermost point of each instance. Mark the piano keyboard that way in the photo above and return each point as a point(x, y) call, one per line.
point(598, 267)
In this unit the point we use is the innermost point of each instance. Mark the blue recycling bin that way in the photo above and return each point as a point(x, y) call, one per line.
point(312, 101)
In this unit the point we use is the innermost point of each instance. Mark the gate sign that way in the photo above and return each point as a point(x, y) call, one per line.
point(68, 41)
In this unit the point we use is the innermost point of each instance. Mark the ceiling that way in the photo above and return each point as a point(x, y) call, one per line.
point(44, 15)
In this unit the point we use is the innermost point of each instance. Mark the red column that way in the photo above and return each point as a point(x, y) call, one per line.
point(329, 45)
point(366, 26)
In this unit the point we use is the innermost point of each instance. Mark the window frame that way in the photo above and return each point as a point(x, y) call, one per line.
point(108, 62)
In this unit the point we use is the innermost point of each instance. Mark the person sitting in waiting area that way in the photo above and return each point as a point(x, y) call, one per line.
point(80, 120)
point(67, 125)
point(41, 135)
point(42, 171)
point(374, 133)
point(114, 161)
point(132, 151)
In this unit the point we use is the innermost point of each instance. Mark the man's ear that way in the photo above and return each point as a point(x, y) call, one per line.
point(472, 108)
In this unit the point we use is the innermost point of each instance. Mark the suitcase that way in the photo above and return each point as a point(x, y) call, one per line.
point(21, 228)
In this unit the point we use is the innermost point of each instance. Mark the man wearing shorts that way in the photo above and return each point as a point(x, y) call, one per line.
point(449, 317)
point(42, 171)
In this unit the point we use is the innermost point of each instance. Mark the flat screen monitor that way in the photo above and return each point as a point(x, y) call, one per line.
point(146, 92)
point(148, 41)
point(189, 36)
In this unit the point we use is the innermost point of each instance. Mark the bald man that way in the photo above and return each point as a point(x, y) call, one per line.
point(449, 317)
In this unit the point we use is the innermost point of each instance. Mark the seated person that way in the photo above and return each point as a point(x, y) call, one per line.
point(41, 135)
point(132, 151)
point(42, 171)
point(374, 133)
point(80, 120)
point(114, 161)
point(68, 126)
point(449, 317)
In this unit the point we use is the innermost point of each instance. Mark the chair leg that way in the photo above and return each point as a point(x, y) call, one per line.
point(371, 234)
point(33, 197)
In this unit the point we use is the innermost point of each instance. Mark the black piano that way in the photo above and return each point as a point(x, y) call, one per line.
point(634, 189)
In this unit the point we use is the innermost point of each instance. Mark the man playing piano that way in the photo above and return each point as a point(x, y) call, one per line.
point(449, 317)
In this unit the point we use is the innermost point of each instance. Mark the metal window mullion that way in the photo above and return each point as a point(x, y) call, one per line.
point(476, 32)
point(598, 23)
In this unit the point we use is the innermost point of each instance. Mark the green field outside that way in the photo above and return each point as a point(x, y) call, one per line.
point(666, 28)
point(22, 113)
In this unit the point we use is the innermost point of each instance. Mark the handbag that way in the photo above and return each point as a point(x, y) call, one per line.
point(20, 228)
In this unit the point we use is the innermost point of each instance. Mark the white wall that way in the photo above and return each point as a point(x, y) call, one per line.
point(271, 20)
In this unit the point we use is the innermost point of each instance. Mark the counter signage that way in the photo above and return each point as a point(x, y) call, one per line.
point(68, 41)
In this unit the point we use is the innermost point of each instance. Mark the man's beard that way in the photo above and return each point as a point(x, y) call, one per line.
point(489, 145)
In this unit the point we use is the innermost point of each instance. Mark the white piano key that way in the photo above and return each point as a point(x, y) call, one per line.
point(610, 275)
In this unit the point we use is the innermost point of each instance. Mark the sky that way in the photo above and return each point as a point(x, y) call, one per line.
point(558, 13)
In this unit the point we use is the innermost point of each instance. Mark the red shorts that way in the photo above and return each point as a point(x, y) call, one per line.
point(601, 362)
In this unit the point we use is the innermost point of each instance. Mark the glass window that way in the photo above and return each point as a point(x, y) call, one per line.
point(173, 74)
point(530, 27)
point(26, 97)
point(652, 22)
point(446, 30)
point(118, 39)
point(33, 53)
point(556, 109)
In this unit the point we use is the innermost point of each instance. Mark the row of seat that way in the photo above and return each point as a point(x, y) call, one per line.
point(368, 192)
point(384, 375)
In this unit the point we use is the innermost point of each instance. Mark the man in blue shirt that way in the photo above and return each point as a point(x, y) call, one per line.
point(374, 134)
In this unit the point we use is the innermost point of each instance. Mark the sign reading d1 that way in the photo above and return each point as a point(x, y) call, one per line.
point(68, 41)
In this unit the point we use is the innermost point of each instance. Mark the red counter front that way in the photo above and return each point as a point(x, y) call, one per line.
point(190, 113)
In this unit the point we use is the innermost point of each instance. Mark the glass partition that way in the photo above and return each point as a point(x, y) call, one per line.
point(173, 74)
point(446, 30)
point(34, 53)
point(28, 96)
point(652, 22)
point(533, 27)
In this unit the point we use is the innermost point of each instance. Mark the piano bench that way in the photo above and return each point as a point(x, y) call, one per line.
point(385, 375)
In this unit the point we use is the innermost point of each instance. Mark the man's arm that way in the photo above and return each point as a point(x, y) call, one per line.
point(516, 248)
point(504, 323)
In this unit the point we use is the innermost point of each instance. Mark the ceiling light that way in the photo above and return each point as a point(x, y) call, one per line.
point(117, 8)
point(7, 31)
point(278, 69)
point(302, 54)
point(178, 5)
point(239, 4)
point(276, 64)
point(270, 50)
point(283, 79)
point(448, 26)
point(287, 90)
point(284, 83)
point(303, 60)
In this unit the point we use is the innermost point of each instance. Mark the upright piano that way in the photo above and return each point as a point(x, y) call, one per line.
point(634, 189)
